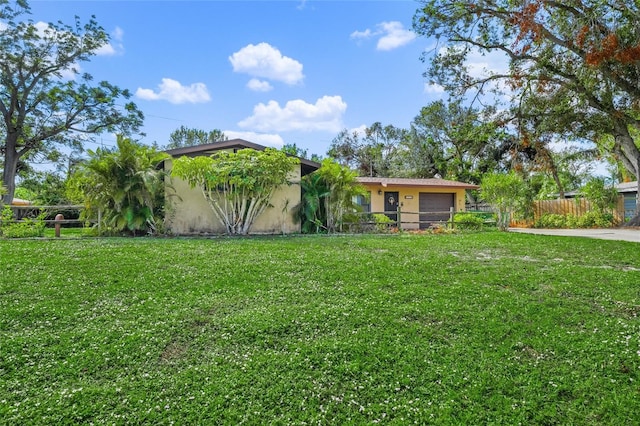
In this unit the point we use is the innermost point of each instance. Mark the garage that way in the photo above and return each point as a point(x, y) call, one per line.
point(435, 207)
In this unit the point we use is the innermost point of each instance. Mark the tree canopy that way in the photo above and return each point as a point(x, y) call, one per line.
point(185, 136)
point(45, 101)
point(237, 185)
point(573, 66)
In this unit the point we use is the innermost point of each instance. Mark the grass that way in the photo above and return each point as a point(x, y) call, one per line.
point(469, 328)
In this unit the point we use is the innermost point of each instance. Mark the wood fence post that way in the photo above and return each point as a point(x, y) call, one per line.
point(399, 218)
point(452, 212)
point(59, 218)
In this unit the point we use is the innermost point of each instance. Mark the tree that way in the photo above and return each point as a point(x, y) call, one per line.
point(370, 152)
point(43, 107)
point(185, 136)
point(123, 187)
point(460, 142)
point(293, 149)
point(573, 65)
point(312, 212)
point(238, 186)
point(505, 192)
point(341, 188)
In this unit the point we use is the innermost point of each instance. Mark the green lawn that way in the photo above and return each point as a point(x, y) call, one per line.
point(469, 328)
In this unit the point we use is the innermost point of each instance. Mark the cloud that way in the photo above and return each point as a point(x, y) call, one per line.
point(324, 115)
point(265, 61)
point(115, 46)
point(433, 89)
point(174, 92)
point(392, 35)
point(266, 139)
point(259, 85)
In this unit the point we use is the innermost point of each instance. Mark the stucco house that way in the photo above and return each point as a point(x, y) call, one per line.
point(189, 213)
point(629, 191)
point(422, 202)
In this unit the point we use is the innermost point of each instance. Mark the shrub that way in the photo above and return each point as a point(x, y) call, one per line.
point(551, 220)
point(595, 219)
point(383, 222)
point(26, 228)
point(468, 221)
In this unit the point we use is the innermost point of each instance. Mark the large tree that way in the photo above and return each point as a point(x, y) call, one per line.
point(45, 101)
point(371, 152)
point(573, 66)
point(237, 185)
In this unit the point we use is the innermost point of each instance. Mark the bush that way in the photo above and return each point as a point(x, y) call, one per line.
point(551, 220)
point(592, 219)
point(468, 221)
point(26, 228)
point(383, 222)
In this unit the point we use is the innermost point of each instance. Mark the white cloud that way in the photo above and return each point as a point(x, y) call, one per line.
point(394, 36)
point(174, 92)
point(266, 139)
point(391, 35)
point(324, 115)
point(433, 89)
point(259, 85)
point(115, 47)
point(265, 61)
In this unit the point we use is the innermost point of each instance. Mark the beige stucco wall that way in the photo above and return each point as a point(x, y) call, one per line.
point(189, 212)
point(410, 206)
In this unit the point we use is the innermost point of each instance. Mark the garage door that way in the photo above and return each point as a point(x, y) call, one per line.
point(435, 208)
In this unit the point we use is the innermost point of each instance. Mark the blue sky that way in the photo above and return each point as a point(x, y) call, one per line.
point(271, 72)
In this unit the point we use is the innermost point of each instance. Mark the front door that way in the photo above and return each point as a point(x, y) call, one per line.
point(391, 205)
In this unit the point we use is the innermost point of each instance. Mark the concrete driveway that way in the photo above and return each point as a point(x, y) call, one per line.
point(620, 234)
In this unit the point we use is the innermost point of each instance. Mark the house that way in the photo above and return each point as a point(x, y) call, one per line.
point(422, 202)
point(189, 213)
point(629, 191)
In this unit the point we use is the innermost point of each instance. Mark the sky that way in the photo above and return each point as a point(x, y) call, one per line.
point(271, 72)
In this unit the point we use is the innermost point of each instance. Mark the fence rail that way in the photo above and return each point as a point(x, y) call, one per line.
point(403, 218)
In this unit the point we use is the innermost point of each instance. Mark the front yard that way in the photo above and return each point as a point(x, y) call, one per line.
point(469, 328)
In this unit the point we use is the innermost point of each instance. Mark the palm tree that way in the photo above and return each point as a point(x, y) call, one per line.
point(125, 185)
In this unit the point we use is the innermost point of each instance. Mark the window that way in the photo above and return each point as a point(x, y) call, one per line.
point(364, 201)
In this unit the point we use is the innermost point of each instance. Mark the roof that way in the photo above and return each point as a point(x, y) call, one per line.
point(627, 186)
point(429, 183)
point(308, 166)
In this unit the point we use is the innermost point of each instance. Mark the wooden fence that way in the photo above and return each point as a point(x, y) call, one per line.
point(573, 206)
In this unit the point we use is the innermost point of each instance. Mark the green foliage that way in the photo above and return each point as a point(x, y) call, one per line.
point(185, 136)
point(506, 193)
point(462, 329)
point(592, 219)
point(572, 71)
point(342, 188)
point(124, 185)
point(382, 222)
point(41, 110)
point(466, 220)
point(311, 212)
point(237, 185)
point(26, 228)
point(602, 198)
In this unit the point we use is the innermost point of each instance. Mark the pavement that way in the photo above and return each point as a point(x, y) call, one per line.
point(620, 234)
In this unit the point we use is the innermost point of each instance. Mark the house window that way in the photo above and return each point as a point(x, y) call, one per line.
point(364, 201)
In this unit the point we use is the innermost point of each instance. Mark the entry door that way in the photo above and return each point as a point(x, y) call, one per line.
point(391, 204)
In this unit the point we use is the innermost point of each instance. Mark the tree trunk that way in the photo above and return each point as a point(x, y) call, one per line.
point(11, 158)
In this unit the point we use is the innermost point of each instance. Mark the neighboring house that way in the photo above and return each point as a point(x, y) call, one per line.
point(629, 190)
point(422, 202)
point(189, 213)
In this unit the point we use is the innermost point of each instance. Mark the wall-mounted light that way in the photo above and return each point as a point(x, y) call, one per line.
point(379, 192)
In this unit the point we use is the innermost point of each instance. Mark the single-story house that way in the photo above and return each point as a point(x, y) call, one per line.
point(629, 190)
point(422, 202)
point(189, 213)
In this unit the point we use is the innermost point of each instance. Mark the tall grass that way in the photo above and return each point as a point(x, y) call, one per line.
point(440, 329)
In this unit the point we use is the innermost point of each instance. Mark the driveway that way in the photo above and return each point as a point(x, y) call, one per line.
point(620, 234)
